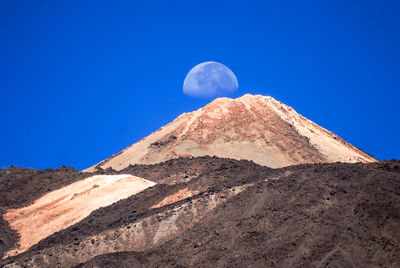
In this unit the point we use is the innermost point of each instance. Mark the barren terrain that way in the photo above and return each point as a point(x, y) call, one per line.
point(221, 212)
point(66, 206)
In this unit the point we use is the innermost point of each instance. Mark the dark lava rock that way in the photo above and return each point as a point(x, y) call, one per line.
point(312, 215)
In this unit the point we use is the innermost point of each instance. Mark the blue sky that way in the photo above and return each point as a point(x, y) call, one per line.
point(81, 80)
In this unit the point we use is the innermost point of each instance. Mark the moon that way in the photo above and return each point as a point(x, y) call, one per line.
point(210, 79)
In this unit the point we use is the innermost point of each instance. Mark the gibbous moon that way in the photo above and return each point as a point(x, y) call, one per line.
point(210, 79)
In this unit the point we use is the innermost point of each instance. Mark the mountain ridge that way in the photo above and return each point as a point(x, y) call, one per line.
point(241, 214)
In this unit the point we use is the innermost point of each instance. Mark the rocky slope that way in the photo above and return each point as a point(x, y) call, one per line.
point(19, 187)
point(68, 205)
point(222, 212)
point(255, 128)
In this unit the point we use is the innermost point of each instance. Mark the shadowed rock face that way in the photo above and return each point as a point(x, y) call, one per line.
point(221, 212)
point(255, 128)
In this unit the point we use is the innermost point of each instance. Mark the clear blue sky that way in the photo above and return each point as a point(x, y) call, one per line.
point(81, 80)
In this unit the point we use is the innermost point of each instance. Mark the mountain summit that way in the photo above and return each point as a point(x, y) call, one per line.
point(251, 127)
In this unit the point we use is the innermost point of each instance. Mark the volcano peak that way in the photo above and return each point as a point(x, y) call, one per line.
point(252, 127)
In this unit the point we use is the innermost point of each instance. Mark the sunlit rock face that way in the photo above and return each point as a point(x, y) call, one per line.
point(256, 128)
point(66, 206)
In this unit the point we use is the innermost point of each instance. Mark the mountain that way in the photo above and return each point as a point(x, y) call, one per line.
point(241, 182)
point(256, 128)
point(208, 212)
